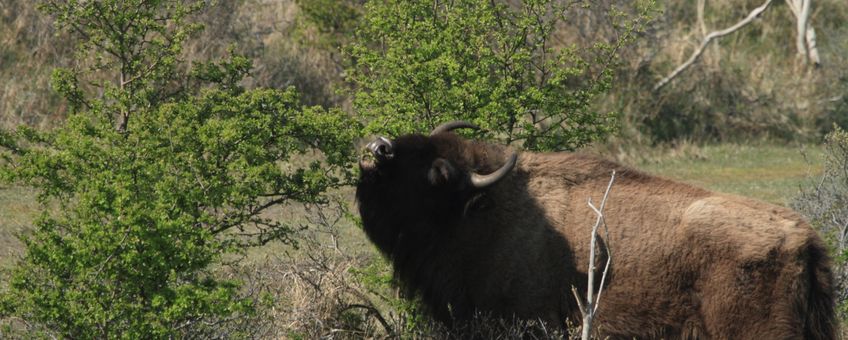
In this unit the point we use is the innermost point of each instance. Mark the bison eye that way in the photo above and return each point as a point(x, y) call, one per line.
point(441, 172)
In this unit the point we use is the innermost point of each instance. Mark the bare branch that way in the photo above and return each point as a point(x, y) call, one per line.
point(579, 299)
point(589, 308)
point(717, 34)
point(805, 35)
point(606, 267)
point(801, 10)
point(812, 50)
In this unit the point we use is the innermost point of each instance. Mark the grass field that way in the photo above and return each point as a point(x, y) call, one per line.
point(767, 172)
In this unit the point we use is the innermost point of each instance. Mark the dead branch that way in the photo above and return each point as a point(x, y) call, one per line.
point(812, 50)
point(805, 37)
point(717, 34)
point(371, 310)
point(589, 307)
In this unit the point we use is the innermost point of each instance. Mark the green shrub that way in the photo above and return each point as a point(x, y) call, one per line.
point(825, 205)
point(498, 65)
point(156, 174)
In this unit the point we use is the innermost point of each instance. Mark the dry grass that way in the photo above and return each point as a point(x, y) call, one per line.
point(325, 293)
point(30, 51)
point(267, 31)
point(748, 85)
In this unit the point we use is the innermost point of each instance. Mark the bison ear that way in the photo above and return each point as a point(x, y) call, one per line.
point(442, 172)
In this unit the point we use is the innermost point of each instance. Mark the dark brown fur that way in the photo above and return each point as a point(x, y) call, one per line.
point(687, 262)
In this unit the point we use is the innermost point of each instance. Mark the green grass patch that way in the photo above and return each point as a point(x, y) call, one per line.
point(773, 173)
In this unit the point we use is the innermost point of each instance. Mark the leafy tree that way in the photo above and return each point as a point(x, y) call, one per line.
point(160, 170)
point(498, 64)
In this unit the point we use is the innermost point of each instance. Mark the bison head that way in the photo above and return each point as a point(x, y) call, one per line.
point(416, 185)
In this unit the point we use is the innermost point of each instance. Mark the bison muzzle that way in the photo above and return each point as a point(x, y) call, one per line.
point(475, 227)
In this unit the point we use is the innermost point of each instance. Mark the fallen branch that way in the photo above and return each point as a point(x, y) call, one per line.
point(717, 34)
point(589, 308)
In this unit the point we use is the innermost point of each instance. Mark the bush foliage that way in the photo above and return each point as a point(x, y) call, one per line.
point(825, 204)
point(498, 65)
point(158, 172)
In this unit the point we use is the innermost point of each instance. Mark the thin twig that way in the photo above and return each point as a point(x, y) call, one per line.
point(589, 308)
point(606, 268)
point(579, 299)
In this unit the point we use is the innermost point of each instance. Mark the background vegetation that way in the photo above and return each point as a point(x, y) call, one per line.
point(733, 122)
point(825, 203)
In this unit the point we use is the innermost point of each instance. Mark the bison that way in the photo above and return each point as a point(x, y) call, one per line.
point(475, 227)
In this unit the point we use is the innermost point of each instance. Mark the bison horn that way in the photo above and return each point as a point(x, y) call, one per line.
point(482, 181)
point(449, 126)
